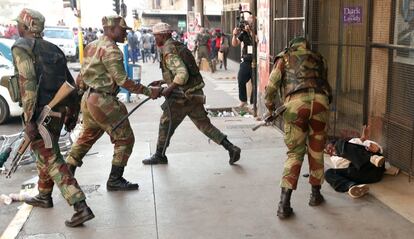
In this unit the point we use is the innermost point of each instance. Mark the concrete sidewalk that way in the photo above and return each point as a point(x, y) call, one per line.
point(199, 195)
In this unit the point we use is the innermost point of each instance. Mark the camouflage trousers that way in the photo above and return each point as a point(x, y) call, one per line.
point(306, 121)
point(52, 168)
point(100, 112)
point(203, 53)
point(180, 108)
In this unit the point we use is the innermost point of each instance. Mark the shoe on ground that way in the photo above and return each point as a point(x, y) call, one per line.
point(358, 191)
point(377, 160)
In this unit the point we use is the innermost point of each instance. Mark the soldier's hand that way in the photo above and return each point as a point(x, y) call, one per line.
point(157, 83)
point(71, 118)
point(270, 106)
point(155, 92)
point(31, 130)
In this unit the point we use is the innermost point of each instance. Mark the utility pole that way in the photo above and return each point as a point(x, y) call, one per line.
point(76, 7)
point(254, 62)
point(199, 8)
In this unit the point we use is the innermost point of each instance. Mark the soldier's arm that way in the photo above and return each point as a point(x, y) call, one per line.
point(178, 68)
point(27, 81)
point(113, 60)
point(275, 82)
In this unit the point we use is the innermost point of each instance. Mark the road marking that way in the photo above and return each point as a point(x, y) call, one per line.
point(20, 218)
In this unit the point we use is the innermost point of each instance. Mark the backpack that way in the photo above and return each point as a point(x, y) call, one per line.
point(12, 85)
point(187, 56)
point(50, 66)
point(51, 70)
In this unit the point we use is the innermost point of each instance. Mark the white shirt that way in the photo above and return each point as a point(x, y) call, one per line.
point(340, 162)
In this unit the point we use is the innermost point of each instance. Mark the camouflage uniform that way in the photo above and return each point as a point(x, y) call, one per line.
point(174, 70)
point(185, 82)
point(301, 75)
point(203, 49)
point(103, 73)
point(50, 163)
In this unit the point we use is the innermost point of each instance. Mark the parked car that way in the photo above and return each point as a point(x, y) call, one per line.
point(62, 37)
point(8, 108)
point(5, 48)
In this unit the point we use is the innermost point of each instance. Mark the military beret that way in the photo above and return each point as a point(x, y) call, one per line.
point(161, 27)
point(112, 21)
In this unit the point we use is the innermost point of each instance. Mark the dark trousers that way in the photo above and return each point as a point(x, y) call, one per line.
point(360, 171)
point(244, 75)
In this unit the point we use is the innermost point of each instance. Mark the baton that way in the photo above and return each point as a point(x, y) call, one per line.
point(126, 116)
point(271, 117)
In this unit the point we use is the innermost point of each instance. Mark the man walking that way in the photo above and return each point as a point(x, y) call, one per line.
point(299, 78)
point(102, 73)
point(36, 91)
point(184, 95)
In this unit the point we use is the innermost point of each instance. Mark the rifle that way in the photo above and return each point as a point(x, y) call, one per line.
point(41, 123)
point(271, 117)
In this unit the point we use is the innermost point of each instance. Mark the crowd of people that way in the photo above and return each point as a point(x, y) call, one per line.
point(9, 31)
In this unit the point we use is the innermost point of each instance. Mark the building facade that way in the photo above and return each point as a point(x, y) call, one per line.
point(174, 12)
point(369, 47)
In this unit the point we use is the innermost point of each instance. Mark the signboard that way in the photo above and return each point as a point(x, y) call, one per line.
point(352, 15)
point(181, 24)
point(404, 33)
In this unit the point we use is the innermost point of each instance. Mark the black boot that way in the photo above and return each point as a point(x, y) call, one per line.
point(284, 210)
point(72, 169)
point(40, 200)
point(156, 158)
point(234, 151)
point(316, 197)
point(82, 214)
point(117, 183)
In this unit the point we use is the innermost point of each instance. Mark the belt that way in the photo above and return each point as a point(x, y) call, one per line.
point(295, 94)
point(92, 90)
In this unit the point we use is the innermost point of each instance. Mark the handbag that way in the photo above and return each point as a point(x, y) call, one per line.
point(220, 56)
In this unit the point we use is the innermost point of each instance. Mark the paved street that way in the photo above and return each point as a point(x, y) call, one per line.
point(198, 194)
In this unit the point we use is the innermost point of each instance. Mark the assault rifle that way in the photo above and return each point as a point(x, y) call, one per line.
point(271, 117)
point(41, 123)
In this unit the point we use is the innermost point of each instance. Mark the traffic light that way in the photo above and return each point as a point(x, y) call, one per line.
point(116, 8)
point(123, 9)
point(135, 13)
point(69, 4)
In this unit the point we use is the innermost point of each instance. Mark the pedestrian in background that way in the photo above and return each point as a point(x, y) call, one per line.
point(102, 74)
point(243, 34)
point(203, 49)
point(133, 46)
point(50, 164)
point(184, 95)
point(299, 79)
point(223, 50)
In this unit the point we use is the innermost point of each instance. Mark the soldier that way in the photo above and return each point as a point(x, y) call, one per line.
point(299, 78)
point(103, 73)
point(50, 164)
point(202, 41)
point(184, 95)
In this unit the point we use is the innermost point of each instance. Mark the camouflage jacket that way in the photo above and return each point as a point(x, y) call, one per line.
point(25, 69)
point(295, 69)
point(173, 67)
point(103, 68)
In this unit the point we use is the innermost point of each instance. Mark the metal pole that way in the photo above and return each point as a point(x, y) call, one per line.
point(254, 61)
point(80, 35)
point(199, 7)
